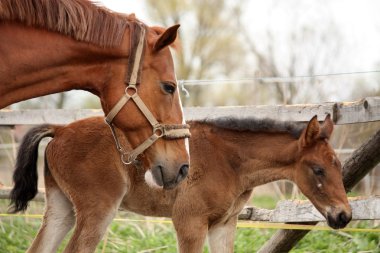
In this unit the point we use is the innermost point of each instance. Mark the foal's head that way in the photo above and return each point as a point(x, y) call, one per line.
point(167, 159)
point(319, 173)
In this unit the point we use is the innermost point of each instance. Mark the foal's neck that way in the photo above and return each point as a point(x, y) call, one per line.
point(36, 62)
point(260, 157)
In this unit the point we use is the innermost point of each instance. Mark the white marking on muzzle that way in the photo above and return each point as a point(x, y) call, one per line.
point(150, 180)
point(187, 146)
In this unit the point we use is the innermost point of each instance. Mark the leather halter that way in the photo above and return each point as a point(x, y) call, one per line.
point(173, 131)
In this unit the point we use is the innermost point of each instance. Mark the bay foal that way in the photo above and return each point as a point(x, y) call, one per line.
point(50, 46)
point(229, 157)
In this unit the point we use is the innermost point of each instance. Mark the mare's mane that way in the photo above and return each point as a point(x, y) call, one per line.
point(79, 19)
point(257, 125)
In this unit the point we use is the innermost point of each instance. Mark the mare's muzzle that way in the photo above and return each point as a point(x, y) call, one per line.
point(160, 180)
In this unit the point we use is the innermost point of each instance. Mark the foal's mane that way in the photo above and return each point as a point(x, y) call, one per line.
point(79, 19)
point(258, 125)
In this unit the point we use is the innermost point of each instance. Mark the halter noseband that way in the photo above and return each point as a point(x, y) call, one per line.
point(174, 131)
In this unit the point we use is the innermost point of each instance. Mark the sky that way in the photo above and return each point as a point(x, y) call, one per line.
point(358, 21)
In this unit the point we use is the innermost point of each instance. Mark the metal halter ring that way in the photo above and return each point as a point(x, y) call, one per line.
point(131, 87)
point(159, 130)
point(126, 158)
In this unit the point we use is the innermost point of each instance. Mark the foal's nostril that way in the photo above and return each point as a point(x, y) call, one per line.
point(339, 220)
point(343, 218)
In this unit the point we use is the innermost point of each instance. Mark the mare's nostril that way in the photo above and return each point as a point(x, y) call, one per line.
point(184, 170)
point(158, 175)
point(182, 173)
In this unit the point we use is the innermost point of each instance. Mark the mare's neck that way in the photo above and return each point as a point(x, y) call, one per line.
point(35, 62)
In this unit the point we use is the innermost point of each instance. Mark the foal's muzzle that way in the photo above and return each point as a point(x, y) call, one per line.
point(339, 219)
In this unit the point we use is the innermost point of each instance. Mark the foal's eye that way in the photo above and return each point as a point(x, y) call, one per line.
point(168, 87)
point(318, 171)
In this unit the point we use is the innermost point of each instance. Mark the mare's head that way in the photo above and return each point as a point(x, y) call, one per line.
point(319, 173)
point(167, 159)
point(99, 63)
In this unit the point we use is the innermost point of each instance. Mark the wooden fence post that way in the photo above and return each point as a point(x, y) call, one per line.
point(364, 159)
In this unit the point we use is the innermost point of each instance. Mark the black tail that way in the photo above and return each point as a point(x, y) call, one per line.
point(25, 176)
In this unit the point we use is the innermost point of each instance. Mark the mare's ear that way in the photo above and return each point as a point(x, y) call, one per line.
point(327, 127)
point(166, 38)
point(311, 133)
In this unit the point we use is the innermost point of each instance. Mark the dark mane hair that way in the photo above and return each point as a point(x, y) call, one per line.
point(254, 125)
point(79, 19)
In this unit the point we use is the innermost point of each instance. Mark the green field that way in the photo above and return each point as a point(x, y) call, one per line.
point(16, 233)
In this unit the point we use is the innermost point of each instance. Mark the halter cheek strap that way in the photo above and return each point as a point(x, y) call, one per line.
point(174, 131)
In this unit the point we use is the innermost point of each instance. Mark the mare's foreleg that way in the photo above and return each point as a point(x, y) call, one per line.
point(58, 219)
point(221, 236)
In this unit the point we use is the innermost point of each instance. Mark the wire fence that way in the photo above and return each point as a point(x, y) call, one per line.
point(281, 79)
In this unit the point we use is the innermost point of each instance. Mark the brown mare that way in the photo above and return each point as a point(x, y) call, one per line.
point(59, 45)
point(228, 159)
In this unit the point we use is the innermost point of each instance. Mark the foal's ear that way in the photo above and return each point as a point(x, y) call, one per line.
point(311, 133)
point(327, 127)
point(166, 38)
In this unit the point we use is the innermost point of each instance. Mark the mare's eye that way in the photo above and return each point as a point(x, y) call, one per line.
point(168, 87)
point(318, 171)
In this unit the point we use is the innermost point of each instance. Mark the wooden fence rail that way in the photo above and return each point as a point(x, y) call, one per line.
point(292, 211)
point(364, 110)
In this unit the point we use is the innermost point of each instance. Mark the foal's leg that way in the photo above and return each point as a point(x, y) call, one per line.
point(91, 224)
point(58, 219)
point(191, 233)
point(221, 236)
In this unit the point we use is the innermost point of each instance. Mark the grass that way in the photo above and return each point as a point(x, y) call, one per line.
point(17, 233)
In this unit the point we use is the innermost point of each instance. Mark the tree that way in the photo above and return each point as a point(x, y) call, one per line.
point(296, 46)
point(211, 45)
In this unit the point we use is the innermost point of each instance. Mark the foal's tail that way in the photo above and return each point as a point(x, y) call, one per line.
point(25, 176)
